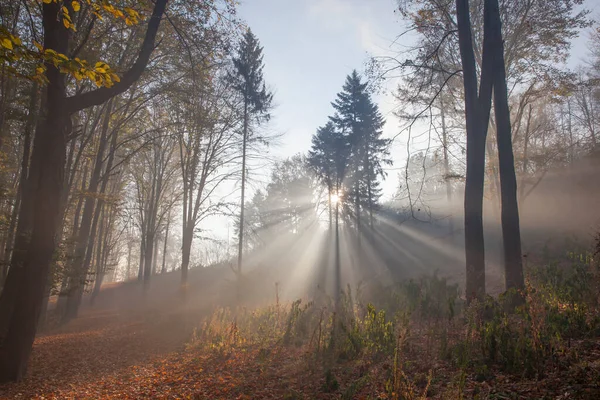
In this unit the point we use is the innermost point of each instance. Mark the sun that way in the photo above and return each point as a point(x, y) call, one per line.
point(334, 198)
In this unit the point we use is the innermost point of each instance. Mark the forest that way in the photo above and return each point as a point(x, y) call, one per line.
point(435, 236)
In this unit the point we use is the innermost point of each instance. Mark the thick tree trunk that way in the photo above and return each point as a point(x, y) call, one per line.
point(477, 109)
point(34, 248)
point(511, 233)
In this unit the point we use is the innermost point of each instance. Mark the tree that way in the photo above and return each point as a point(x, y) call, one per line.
point(359, 120)
point(511, 230)
point(35, 240)
point(206, 151)
point(477, 109)
point(247, 80)
point(286, 208)
point(536, 37)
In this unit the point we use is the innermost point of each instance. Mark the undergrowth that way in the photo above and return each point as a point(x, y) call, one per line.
point(399, 339)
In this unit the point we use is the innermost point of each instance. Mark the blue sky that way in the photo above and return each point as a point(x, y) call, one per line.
point(309, 48)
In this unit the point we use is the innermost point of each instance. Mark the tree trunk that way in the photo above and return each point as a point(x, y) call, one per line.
point(166, 241)
point(525, 165)
point(477, 109)
point(241, 232)
point(148, 252)
point(511, 233)
point(128, 270)
point(446, 165)
point(155, 256)
point(99, 267)
point(329, 193)
point(34, 248)
point(185, 255)
point(140, 276)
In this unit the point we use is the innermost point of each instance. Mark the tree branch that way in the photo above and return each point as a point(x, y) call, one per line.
point(101, 95)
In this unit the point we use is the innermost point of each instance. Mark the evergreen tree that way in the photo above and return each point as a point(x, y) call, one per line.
point(376, 155)
point(361, 123)
point(247, 79)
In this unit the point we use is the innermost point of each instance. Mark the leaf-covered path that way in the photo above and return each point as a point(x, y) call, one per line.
point(107, 355)
point(148, 353)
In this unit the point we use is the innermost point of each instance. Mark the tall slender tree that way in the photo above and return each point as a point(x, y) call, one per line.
point(511, 231)
point(477, 112)
point(246, 78)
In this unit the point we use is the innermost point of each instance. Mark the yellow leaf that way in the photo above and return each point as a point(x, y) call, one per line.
point(16, 40)
point(48, 1)
point(7, 43)
point(76, 6)
point(39, 46)
point(66, 23)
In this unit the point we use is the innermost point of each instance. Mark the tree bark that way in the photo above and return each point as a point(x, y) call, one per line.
point(511, 233)
point(34, 246)
point(477, 109)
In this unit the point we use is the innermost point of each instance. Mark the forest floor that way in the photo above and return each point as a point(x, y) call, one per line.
point(105, 354)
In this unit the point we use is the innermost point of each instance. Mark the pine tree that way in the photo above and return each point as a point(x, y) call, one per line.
point(361, 123)
point(247, 79)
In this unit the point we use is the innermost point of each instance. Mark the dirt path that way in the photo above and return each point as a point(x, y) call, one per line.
point(106, 355)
